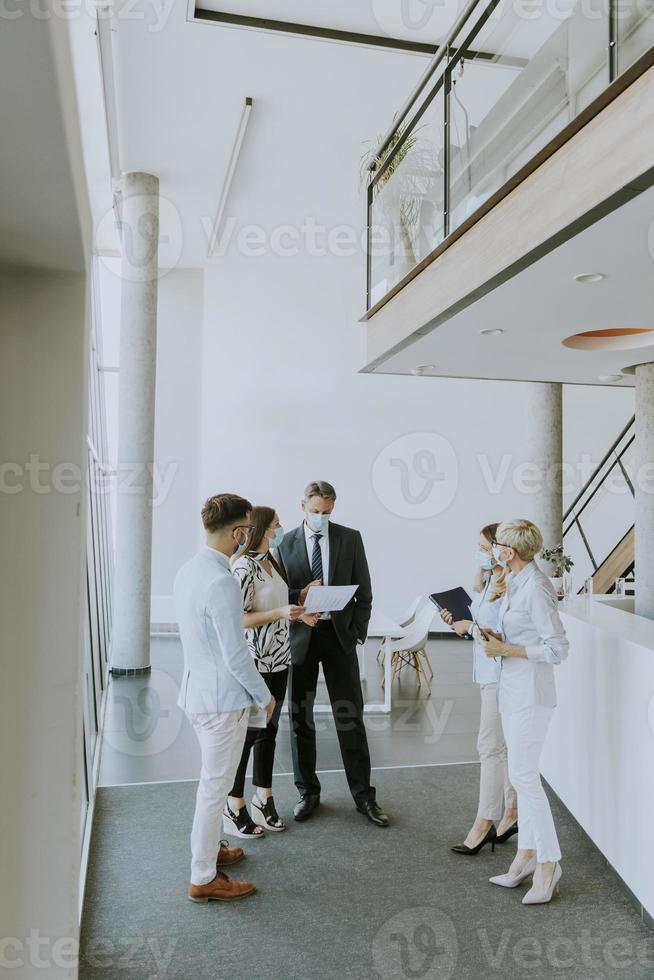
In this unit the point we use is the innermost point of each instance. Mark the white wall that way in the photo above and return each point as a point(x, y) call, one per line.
point(281, 403)
point(42, 404)
point(599, 752)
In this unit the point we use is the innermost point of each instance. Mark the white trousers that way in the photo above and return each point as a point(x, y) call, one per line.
point(495, 790)
point(221, 737)
point(525, 733)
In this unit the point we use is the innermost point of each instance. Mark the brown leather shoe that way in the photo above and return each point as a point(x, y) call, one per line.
point(221, 889)
point(229, 855)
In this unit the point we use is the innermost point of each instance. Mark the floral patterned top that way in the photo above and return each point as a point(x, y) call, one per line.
point(261, 592)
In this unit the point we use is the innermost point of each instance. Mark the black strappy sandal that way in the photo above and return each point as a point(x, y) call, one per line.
point(240, 824)
point(266, 816)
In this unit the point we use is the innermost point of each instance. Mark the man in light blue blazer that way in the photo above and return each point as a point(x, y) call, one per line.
point(220, 683)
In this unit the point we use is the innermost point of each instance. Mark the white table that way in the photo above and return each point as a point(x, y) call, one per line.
point(386, 629)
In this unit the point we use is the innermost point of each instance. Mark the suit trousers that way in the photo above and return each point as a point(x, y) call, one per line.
point(341, 670)
point(496, 793)
point(221, 739)
point(525, 733)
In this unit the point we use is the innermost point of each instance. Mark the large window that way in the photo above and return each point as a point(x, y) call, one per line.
point(99, 552)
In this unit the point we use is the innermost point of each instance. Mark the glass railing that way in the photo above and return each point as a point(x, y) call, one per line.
point(603, 512)
point(509, 78)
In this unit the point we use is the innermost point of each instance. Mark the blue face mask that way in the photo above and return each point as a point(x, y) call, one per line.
point(318, 522)
point(484, 560)
point(496, 555)
point(241, 547)
point(275, 541)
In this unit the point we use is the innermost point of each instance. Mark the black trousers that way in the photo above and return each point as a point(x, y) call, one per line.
point(262, 740)
point(341, 670)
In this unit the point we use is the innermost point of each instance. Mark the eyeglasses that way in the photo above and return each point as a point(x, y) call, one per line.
point(248, 528)
point(498, 544)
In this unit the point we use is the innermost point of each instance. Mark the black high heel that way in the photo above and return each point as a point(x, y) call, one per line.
point(491, 837)
point(502, 838)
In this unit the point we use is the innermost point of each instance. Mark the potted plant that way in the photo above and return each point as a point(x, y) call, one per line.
point(402, 198)
point(560, 564)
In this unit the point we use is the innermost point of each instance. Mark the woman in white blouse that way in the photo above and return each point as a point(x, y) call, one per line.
point(267, 614)
point(497, 811)
point(530, 642)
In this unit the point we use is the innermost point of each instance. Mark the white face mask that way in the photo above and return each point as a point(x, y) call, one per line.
point(484, 560)
point(497, 550)
point(317, 522)
point(277, 538)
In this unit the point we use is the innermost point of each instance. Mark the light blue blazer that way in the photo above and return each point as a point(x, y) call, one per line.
point(219, 672)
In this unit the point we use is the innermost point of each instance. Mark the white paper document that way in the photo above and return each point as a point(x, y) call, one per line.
point(328, 598)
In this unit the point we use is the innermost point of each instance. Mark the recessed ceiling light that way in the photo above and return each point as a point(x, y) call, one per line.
point(584, 277)
point(491, 332)
point(423, 369)
point(611, 338)
point(610, 378)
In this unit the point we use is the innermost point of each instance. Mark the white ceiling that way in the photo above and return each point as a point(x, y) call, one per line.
point(543, 305)
point(181, 90)
point(413, 20)
point(507, 31)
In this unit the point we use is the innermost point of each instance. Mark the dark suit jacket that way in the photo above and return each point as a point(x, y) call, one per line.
point(347, 566)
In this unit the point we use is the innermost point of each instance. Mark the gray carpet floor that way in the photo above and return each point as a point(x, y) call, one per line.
point(340, 898)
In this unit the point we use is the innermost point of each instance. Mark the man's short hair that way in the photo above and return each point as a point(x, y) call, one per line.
point(223, 510)
point(319, 488)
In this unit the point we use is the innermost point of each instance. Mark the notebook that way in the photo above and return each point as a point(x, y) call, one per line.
point(457, 601)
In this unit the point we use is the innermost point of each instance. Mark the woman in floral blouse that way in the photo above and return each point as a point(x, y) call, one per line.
point(267, 615)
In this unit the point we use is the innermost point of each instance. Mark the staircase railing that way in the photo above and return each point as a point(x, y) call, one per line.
point(598, 524)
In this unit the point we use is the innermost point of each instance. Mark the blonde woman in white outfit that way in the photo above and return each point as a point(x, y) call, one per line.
point(497, 811)
point(531, 640)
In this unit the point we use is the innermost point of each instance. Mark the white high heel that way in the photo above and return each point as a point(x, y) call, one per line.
point(512, 881)
point(541, 895)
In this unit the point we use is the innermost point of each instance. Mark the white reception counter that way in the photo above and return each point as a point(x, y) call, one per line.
point(599, 753)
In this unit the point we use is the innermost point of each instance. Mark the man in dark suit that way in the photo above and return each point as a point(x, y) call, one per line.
point(322, 553)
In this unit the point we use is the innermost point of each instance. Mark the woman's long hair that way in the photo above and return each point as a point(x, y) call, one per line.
point(262, 518)
point(497, 587)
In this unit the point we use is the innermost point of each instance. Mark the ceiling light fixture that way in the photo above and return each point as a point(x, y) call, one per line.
point(105, 55)
point(422, 369)
point(491, 332)
point(587, 277)
point(610, 378)
point(229, 176)
point(611, 338)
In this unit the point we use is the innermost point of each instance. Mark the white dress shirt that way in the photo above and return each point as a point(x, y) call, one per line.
point(485, 670)
point(529, 617)
point(324, 551)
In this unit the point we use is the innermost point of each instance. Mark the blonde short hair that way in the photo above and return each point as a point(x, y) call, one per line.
point(523, 536)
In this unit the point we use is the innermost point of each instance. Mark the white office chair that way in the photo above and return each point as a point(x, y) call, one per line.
point(408, 617)
point(410, 650)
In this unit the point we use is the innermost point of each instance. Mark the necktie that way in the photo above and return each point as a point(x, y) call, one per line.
point(316, 558)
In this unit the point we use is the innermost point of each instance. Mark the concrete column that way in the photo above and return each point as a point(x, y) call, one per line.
point(138, 322)
point(544, 408)
point(644, 495)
